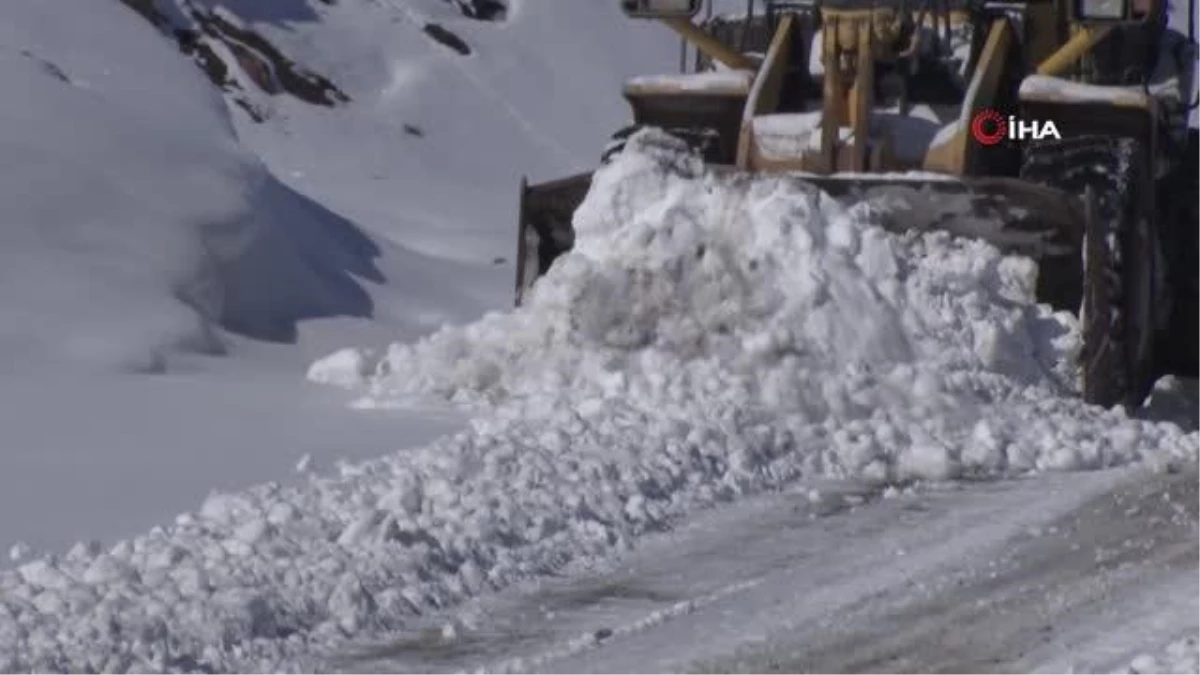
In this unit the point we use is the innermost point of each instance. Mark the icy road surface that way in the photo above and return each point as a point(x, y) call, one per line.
point(1061, 573)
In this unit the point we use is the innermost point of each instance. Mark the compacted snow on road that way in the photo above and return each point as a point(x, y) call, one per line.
point(709, 339)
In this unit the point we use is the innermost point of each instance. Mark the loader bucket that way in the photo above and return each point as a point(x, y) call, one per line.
point(544, 229)
point(720, 113)
point(1017, 217)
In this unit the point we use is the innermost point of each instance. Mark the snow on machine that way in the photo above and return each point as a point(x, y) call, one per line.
point(1056, 129)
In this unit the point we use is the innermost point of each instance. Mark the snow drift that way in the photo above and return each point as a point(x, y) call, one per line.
point(133, 225)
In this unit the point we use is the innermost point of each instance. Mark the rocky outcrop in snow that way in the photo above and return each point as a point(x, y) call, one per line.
point(235, 56)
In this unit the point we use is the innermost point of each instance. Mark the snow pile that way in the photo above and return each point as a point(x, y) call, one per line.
point(1180, 656)
point(763, 307)
point(708, 338)
point(132, 224)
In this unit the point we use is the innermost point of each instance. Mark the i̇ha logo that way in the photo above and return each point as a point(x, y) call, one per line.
point(990, 127)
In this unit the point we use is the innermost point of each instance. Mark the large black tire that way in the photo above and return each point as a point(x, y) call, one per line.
point(1120, 253)
point(703, 141)
point(1178, 351)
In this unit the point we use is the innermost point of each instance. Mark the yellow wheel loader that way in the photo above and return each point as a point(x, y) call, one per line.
point(1060, 126)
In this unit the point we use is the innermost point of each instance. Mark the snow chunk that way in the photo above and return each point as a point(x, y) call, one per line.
point(347, 368)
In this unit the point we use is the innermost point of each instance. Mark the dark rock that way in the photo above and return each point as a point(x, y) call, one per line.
point(444, 36)
point(484, 10)
point(197, 33)
point(267, 66)
point(49, 68)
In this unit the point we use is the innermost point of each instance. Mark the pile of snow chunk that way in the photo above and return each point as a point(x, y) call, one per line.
point(709, 338)
point(733, 303)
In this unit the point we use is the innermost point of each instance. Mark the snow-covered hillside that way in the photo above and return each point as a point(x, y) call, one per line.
point(126, 177)
point(134, 222)
point(150, 227)
point(433, 144)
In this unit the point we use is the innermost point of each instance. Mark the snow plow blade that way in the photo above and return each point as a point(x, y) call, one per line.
point(544, 231)
point(1016, 216)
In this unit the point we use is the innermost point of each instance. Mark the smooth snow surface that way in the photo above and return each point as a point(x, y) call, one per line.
point(135, 225)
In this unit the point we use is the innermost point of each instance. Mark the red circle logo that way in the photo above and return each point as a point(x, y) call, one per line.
point(989, 127)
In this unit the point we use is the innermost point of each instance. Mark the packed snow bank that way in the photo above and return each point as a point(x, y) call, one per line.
point(134, 224)
point(708, 338)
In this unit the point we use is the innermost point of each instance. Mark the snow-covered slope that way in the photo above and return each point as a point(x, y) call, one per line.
point(140, 227)
point(134, 223)
point(135, 232)
point(431, 148)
